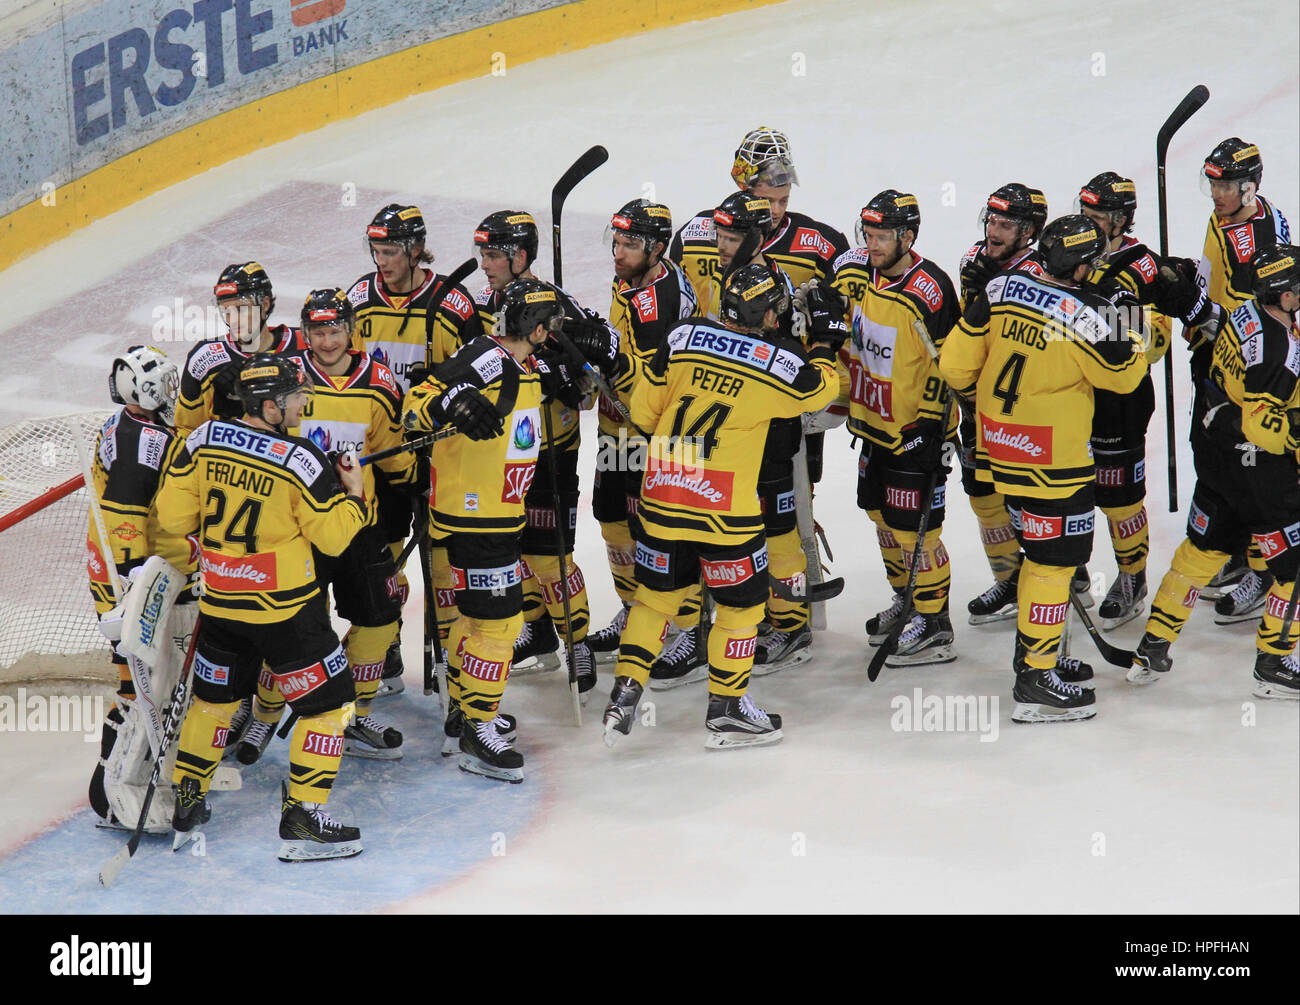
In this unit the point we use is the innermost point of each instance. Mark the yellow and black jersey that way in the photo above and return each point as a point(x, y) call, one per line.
point(131, 454)
point(260, 501)
point(804, 248)
point(208, 379)
point(1030, 351)
point(707, 399)
point(1135, 268)
point(564, 420)
point(894, 379)
point(643, 316)
point(391, 327)
point(1257, 364)
point(1022, 261)
point(478, 486)
point(1224, 271)
point(359, 410)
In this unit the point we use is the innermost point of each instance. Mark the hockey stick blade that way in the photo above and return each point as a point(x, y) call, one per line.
point(1111, 654)
point(458, 275)
point(578, 170)
point(815, 593)
point(1192, 101)
point(109, 871)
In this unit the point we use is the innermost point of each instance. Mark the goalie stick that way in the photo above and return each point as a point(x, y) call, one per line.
point(1193, 100)
point(578, 170)
point(109, 871)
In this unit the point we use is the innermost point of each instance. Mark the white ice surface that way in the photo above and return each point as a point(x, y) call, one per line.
point(1178, 797)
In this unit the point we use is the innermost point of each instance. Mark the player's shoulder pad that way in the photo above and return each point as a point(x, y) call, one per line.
point(969, 257)
point(1248, 324)
point(206, 357)
point(198, 436)
point(152, 442)
point(483, 298)
point(831, 234)
point(457, 301)
point(306, 460)
point(481, 360)
point(1280, 225)
point(810, 237)
point(362, 290)
point(929, 287)
point(381, 376)
point(698, 229)
point(853, 258)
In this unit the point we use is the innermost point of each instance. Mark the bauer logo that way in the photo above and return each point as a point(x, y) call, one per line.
point(322, 744)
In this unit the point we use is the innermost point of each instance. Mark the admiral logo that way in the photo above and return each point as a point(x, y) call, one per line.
point(1047, 614)
point(322, 744)
point(727, 572)
point(1040, 528)
point(210, 672)
point(1015, 443)
point(1277, 266)
point(758, 288)
point(924, 286)
point(905, 499)
point(649, 558)
point(220, 737)
point(481, 669)
point(540, 297)
point(410, 213)
point(1245, 153)
point(806, 239)
point(521, 218)
point(741, 649)
point(1072, 239)
point(1198, 519)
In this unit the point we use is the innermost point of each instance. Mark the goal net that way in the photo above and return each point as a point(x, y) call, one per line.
point(47, 620)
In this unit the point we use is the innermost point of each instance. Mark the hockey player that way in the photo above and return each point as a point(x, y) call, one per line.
point(1012, 218)
point(477, 504)
point(707, 399)
point(1243, 222)
point(507, 243)
point(650, 295)
point(1248, 483)
point(391, 325)
point(245, 300)
point(1029, 351)
point(131, 453)
point(261, 500)
point(355, 406)
point(899, 300)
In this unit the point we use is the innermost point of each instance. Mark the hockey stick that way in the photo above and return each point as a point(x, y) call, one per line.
point(1193, 100)
point(815, 593)
point(578, 170)
point(108, 872)
point(430, 610)
point(1111, 654)
point(891, 642)
point(419, 443)
point(101, 528)
point(462, 272)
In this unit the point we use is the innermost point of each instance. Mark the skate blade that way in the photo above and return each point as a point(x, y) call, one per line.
point(605, 659)
point(363, 750)
point(1085, 598)
point(1007, 613)
point(315, 851)
point(1141, 675)
point(668, 683)
point(1263, 690)
point(226, 779)
point(612, 735)
point(473, 766)
point(767, 669)
point(727, 741)
point(935, 654)
point(1109, 624)
point(1236, 619)
point(390, 687)
point(114, 824)
point(1034, 713)
point(450, 746)
point(181, 838)
point(545, 663)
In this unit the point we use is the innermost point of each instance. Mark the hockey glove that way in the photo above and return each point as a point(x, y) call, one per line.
point(465, 407)
point(976, 274)
point(922, 447)
point(1293, 432)
point(226, 402)
point(559, 382)
point(594, 338)
point(417, 375)
point(826, 316)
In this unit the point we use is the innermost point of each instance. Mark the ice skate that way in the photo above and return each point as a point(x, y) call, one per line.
point(684, 661)
point(778, 651)
point(604, 643)
point(1277, 676)
point(738, 722)
point(1226, 579)
point(621, 710)
point(1150, 660)
point(254, 743)
point(927, 639)
point(455, 721)
point(1246, 601)
point(880, 625)
point(309, 834)
point(1123, 602)
point(390, 682)
point(191, 812)
point(585, 669)
point(997, 603)
point(365, 736)
point(484, 751)
point(537, 650)
point(238, 726)
point(1041, 696)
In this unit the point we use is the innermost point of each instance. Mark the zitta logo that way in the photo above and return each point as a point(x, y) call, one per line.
point(102, 959)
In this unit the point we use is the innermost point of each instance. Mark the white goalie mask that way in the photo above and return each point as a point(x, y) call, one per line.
point(144, 376)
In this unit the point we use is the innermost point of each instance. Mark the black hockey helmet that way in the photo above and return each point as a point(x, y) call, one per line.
point(329, 306)
point(763, 158)
point(396, 224)
point(1011, 200)
point(1111, 193)
point(743, 212)
point(507, 230)
point(269, 377)
point(1039, 200)
point(1276, 271)
point(1067, 243)
point(246, 279)
point(890, 210)
point(1234, 160)
point(750, 292)
point(650, 221)
point(527, 303)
